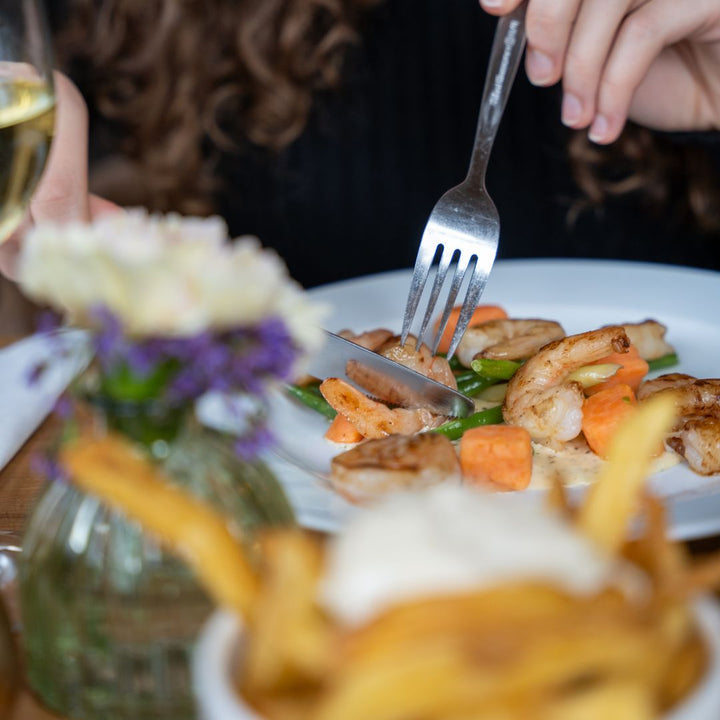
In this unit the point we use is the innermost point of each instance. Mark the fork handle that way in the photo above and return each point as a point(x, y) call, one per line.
point(507, 50)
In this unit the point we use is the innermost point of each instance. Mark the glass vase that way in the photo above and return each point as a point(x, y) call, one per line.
point(110, 618)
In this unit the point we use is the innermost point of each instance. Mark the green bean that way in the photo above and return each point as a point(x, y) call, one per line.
point(312, 399)
point(453, 429)
point(663, 362)
point(471, 383)
point(496, 369)
point(455, 363)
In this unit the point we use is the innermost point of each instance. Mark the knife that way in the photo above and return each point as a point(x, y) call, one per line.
point(385, 379)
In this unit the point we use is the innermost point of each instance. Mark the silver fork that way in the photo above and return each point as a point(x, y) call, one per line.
point(464, 225)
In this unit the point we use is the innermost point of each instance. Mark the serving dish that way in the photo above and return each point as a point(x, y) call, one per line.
point(581, 295)
point(221, 638)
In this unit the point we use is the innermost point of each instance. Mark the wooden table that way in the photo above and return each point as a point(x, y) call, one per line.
point(19, 486)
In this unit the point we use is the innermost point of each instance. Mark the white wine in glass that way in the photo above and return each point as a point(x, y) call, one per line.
point(27, 106)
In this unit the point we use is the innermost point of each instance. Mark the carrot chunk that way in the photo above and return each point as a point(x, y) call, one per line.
point(632, 371)
point(341, 430)
point(603, 412)
point(481, 314)
point(500, 455)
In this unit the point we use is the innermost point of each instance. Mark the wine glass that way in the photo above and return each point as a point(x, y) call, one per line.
point(27, 106)
point(9, 671)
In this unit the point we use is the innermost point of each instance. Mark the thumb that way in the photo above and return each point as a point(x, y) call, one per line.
point(62, 193)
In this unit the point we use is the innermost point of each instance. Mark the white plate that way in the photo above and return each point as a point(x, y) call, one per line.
point(579, 294)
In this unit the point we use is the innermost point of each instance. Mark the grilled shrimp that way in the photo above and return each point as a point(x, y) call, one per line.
point(421, 360)
point(374, 419)
point(392, 463)
point(693, 397)
point(698, 441)
point(538, 396)
point(370, 339)
point(696, 434)
point(507, 339)
point(649, 339)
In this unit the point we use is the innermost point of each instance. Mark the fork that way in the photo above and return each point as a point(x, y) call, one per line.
point(464, 226)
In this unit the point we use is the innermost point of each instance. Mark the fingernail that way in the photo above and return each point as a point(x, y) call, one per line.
point(571, 110)
point(540, 67)
point(492, 3)
point(598, 129)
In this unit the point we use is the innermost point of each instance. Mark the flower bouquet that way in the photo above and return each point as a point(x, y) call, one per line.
point(175, 313)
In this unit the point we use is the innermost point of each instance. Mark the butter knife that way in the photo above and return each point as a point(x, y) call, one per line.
point(385, 379)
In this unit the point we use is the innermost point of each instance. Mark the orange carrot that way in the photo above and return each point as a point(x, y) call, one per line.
point(481, 314)
point(341, 430)
point(603, 412)
point(497, 454)
point(632, 372)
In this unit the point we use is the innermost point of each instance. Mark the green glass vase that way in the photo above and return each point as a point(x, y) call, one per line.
point(109, 617)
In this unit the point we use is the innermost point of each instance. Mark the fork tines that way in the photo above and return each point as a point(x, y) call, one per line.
point(453, 268)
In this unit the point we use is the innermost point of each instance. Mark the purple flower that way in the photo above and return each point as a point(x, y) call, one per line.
point(179, 370)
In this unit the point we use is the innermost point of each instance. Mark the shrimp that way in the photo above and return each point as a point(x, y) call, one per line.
point(649, 339)
point(374, 419)
point(696, 433)
point(507, 339)
point(421, 360)
point(539, 398)
point(693, 397)
point(393, 463)
point(370, 339)
point(698, 441)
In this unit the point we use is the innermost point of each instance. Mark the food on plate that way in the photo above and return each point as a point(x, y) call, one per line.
point(394, 463)
point(508, 339)
point(696, 434)
point(649, 339)
point(569, 392)
point(540, 399)
point(372, 418)
point(603, 412)
point(481, 314)
point(499, 455)
point(419, 359)
point(448, 603)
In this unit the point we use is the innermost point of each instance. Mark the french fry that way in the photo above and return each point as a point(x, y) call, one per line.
point(112, 468)
point(467, 653)
point(613, 498)
point(618, 699)
point(290, 641)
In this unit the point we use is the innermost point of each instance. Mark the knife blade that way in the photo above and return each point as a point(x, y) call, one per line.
point(384, 378)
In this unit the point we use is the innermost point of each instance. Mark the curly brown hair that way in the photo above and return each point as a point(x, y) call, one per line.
point(256, 80)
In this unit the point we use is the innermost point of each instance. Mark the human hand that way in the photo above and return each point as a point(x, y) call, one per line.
point(62, 193)
point(656, 62)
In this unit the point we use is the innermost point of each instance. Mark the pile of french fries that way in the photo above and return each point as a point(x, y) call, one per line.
point(519, 651)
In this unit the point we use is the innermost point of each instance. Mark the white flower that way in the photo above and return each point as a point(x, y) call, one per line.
point(164, 276)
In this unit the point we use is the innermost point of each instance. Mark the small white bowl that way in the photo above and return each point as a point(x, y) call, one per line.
point(218, 699)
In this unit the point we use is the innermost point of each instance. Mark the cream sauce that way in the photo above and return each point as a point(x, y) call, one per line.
point(577, 464)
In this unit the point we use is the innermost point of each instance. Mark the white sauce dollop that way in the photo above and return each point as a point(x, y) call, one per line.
point(450, 538)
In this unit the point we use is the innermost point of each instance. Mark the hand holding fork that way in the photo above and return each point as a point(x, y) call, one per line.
point(464, 226)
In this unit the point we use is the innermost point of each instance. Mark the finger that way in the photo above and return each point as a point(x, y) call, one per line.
point(62, 193)
point(9, 251)
point(590, 43)
point(499, 7)
point(643, 35)
point(100, 206)
point(548, 24)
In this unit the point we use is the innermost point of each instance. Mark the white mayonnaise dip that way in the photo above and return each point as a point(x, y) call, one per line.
point(451, 538)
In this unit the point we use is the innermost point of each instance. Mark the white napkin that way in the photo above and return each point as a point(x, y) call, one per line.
point(24, 404)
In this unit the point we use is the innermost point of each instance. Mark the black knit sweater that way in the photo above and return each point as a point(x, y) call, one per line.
point(352, 194)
